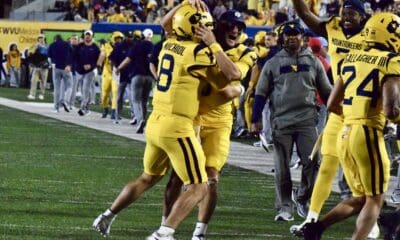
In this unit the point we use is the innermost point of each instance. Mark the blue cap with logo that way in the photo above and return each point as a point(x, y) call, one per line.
point(233, 16)
point(292, 28)
point(355, 5)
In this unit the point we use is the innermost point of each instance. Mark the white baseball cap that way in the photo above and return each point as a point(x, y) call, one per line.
point(90, 32)
point(147, 33)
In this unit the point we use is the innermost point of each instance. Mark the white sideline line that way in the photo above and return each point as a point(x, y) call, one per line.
point(49, 181)
point(149, 204)
point(77, 228)
point(72, 155)
point(117, 229)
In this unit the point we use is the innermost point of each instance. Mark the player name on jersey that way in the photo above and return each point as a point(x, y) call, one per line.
point(347, 44)
point(370, 59)
point(174, 47)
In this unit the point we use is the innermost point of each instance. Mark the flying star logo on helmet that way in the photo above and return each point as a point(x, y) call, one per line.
point(238, 14)
point(393, 27)
point(187, 19)
point(382, 31)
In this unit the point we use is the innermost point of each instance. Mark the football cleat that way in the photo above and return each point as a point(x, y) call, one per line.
point(103, 224)
point(158, 236)
point(199, 237)
point(388, 223)
point(374, 233)
point(105, 113)
point(312, 231)
point(297, 230)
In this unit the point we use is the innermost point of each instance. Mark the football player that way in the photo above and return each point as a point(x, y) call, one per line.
point(343, 34)
point(108, 84)
point(214, 120)
point(367, 93)
point(170, 137)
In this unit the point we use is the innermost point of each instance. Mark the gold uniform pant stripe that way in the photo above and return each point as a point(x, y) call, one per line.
point(374, 157)
point(195, 160)
point(380, 162)
point(187, 160)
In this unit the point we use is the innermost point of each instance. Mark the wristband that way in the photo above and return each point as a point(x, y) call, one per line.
point(242, 90)
point(215, 47)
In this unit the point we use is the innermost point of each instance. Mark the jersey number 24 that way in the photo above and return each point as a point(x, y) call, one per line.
point(373, 76)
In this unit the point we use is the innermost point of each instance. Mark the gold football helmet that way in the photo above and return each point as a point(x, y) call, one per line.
point(187, 19)
point(115, 35)
point(383, 29)
point(137, 34)
point(259, 38)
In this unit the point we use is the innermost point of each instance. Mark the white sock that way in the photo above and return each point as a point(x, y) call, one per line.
point(312, 216)
point(201, 228)
point(163, 220)
point(165, 231)
point(108, 213)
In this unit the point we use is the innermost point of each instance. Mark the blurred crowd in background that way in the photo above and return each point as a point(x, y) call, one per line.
point(259, 13)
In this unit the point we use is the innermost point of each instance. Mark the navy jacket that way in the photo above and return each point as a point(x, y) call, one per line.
point(119, 53)
point(60, 53)
point(86, 55)
point(139, 55)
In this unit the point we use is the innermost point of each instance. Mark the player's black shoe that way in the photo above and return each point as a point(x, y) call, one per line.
point(312, 230)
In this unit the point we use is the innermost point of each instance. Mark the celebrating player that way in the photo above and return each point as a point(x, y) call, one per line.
point(214, 120)
point(366, 93)
point(343, 34)
point(170, 136)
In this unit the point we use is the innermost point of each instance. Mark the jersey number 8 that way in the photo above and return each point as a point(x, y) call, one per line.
point(165, 73)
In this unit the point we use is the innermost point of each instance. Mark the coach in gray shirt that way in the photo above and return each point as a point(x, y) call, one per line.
point(291, 80)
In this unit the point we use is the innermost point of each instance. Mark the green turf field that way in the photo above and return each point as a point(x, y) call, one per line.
point(55, 178)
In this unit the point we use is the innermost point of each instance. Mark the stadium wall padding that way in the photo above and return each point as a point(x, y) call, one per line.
point(25, 33)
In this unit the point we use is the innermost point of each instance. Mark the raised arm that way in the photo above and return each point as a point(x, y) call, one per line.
point(227, 66)
point(312, 21)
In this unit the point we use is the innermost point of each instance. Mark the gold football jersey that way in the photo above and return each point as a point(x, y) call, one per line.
point(363, 73)
point(107, 48)
point(214, 107)
point(340, 44)
point(183, 64)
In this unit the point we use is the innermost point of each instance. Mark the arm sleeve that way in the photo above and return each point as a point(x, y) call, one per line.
point(263, 89)
point(265, 80)
point(70, 58)
point(154, 54)
point(258, 106)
